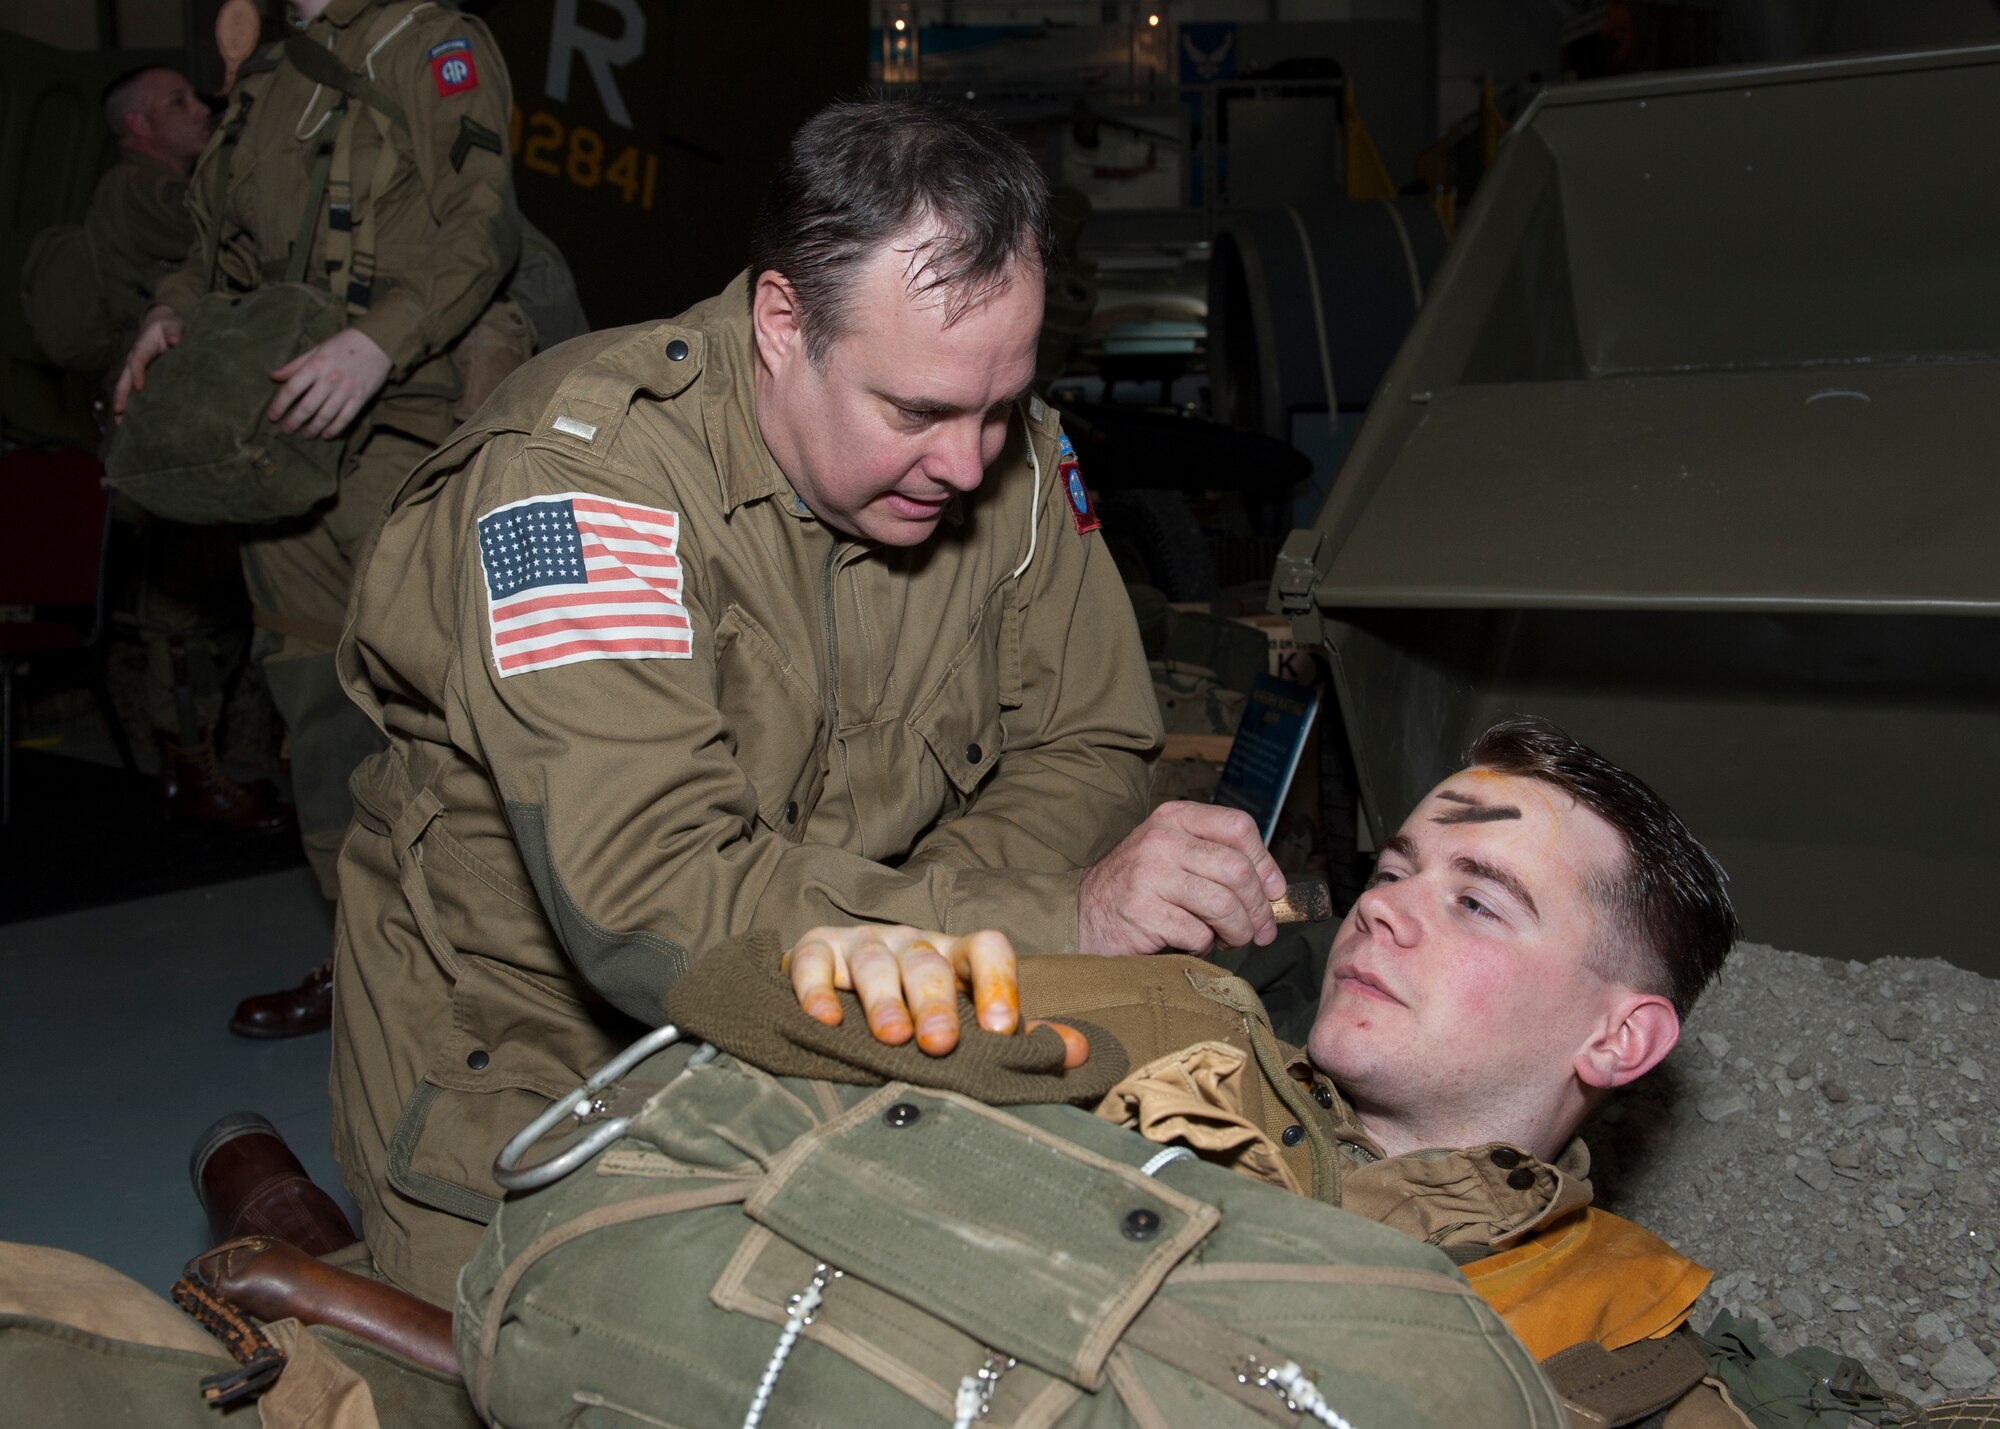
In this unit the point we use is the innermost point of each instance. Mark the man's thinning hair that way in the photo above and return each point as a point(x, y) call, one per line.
point(1672, 922)
point(121, 96)
point(862, 173)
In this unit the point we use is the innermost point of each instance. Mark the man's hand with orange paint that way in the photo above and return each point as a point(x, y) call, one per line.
point(908, 981)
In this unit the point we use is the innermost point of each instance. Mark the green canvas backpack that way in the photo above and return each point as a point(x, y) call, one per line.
point(740, 1248)
point(195, 445)
point(63, 297)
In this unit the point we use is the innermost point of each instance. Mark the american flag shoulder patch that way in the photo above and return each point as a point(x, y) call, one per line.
point(580, 577)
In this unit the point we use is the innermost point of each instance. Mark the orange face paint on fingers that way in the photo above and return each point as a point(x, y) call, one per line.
point(1076, 1047)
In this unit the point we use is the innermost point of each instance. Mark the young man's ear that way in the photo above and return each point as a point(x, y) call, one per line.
point(774, 318)
point(1634, 1037)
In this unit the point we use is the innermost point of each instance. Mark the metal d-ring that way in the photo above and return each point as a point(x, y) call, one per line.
point(533, 1178)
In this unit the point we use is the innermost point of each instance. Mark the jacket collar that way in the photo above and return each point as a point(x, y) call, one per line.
point(342, 13)
point(1476, 1196)
point(745, 470)
point(1470, 1200)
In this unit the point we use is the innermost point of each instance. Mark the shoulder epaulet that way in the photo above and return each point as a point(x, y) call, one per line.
point(583, 416)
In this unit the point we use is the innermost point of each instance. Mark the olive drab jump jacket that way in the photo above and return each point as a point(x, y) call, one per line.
point(768, 726)
point(140, 231)
point(445, 229)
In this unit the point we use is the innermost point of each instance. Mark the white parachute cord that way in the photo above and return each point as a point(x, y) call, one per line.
point(1304, 1393)
point(299, 131)
point(803, 1305)
point(1034, 503)
point(969, 1403)
point(975, 1391)
point(1162, 1160)
point(376, 48)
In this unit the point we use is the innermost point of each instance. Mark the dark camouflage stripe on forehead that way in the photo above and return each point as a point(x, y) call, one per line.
point(1474, 812)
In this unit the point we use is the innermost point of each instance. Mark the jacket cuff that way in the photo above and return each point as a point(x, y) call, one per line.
point(1037, 911)
point(395, 324)
point(179, 290)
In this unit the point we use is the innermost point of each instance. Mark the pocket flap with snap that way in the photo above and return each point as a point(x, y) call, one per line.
point(1028, 1243)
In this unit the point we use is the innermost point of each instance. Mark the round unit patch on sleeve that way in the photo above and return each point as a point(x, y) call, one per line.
point(1070, 473)
point(452, 67)
point(581, 577)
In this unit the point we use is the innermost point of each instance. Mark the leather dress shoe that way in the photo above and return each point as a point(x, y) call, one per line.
point(295, 1012)
point(250, 1183)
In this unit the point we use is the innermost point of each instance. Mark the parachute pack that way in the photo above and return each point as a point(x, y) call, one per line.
point(743, 1248)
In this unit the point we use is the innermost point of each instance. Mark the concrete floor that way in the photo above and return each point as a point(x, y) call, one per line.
point(115, 1055)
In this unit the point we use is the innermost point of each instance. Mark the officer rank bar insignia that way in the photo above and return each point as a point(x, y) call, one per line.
point(452, 67)
point(1070, 473)
point(577, 577)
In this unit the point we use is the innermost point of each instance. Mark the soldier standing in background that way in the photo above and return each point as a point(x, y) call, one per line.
point(442, 232)
point(86, 290)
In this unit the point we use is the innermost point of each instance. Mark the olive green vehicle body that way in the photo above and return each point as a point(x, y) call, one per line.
point(1691, 450)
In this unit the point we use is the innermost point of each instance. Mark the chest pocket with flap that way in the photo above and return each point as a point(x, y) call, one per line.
point(775, 716)
point(959, 719)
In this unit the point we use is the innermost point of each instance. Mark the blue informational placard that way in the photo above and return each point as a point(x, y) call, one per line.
point(1265, 753)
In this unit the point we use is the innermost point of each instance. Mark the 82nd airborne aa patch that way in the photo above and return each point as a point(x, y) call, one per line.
point(452, 67)
point(1070, 473)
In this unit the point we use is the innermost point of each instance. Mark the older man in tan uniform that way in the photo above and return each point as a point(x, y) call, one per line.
point(430, 230)
point(788, 610)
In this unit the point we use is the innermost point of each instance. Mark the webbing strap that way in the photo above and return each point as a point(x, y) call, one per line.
point(340, 197)
point(406, 836)
point(351, 227)
point(355, 281)
point(219, 167)
point(1618, 1387)
point(301, 256)
point(320, 65)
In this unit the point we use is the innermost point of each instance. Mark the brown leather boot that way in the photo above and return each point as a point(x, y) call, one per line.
point(250, 1183)
point(295, 1012)
point(194, 786)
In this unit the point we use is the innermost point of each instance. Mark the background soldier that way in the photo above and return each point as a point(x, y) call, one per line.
point(138, 223)
point(85, 289)
point(442, 233)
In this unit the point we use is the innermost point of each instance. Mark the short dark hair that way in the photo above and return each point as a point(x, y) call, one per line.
point(121, 96)
point(1669, 903)
point(862, 172)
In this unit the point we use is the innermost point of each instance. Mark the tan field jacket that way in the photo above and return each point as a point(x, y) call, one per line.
point(943, 736)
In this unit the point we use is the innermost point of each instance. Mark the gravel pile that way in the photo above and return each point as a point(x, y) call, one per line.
point(1825, 1139)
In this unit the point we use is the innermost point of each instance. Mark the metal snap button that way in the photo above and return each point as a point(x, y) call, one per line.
point(1324, 1096)
point(1292, 1135)
point(677, 351)
point(1520, 1178)
point(477, 1059)
point(1142, 1224)
point(1506, 1157)
point(973, 754)
point(900, 1115)
point(792, 812)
